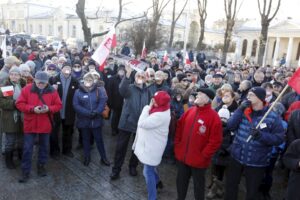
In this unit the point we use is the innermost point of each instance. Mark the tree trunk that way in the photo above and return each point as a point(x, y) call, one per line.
point(262, 41)
point(227, 39)
point(80, 6)
point(152, 35)
point(201, 37)
point(172, 34)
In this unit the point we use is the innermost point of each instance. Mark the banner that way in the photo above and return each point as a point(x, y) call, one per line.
point(134, 63)
point(102, 52)
point(7, 91)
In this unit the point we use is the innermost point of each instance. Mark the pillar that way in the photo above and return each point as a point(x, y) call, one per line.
point(289, 52)
point(275, 58)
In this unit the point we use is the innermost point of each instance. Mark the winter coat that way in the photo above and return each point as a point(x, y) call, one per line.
point(8, 107)
point(151, 136)
point(69, 110)
point(291, 160)
point(135, 99)
point(153, 88)
point(29, 98)
point(198, 136)
point(115, 100)
point(125, 51)
point(293, 132)
point(222, 156)
point(289, 98)
point(256, 152)
point(4, 75)
point(85, 102)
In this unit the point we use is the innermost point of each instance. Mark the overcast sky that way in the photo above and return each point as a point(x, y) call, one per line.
point(215, 10)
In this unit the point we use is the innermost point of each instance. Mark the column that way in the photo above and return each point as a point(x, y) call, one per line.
point(289, 52)
point(276, 51)
point(238, 49)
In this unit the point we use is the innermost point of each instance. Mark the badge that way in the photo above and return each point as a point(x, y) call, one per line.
point(58, 83)
point(263, 125)
point(202, 129)
point(200, 121)
point(85, 96)
point(73, 87)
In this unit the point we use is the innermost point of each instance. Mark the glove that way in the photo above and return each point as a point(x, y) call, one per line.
point(256, 134)
point(93, 115)
point(45, 109)
point(245, 104)
point(37, 109)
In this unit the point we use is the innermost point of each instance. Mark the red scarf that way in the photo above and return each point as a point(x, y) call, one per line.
point(159, 108)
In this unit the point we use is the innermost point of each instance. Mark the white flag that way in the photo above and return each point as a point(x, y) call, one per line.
point(3, 47)
point(103, 50)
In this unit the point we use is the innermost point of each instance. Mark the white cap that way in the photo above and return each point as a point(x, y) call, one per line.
point(224, 112)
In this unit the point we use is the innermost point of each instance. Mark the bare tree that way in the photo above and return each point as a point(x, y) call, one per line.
point(80, 6)
point(158, 7)
point(174, 20)
point(202, 4)
point(230, 12)
point(80, 10)
point(266, 18)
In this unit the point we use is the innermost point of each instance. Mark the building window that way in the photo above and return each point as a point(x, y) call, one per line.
point(73, 31)
point(298, 52)
point(254, 47)
point(274, 46)
point(244, 49)
point(41, 29)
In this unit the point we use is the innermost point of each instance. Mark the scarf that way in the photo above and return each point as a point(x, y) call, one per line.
point(161, 108)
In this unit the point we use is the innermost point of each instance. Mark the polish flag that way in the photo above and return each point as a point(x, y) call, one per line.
point(7, 91)
point(102, 52)
point(166, 58)
point(187, 59)
point(144, 51)
point(294, 81)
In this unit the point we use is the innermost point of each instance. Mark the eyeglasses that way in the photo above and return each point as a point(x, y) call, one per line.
point(76, 66)
point(152, 76)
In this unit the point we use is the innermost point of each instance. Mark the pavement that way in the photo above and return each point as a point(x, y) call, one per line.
point(69, 179)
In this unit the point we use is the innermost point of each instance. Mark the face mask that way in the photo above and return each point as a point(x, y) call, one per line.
point(67, 72)
point(121, 73)
point(77, 69)
point(87, 84)
point(191, 100)
point(139, 81)
point(178, 98)
point(268, 93)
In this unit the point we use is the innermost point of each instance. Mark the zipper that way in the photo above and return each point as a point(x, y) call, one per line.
point(91, 107)
point(190, 134)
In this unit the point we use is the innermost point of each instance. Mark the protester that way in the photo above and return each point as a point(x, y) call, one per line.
point(198, 137)
point(89, 102)
point(136, 96)
point(9, 62)
point(38, 101)
point(151, 139)
point(66, 86)
point(251, 158)
point(11, 117)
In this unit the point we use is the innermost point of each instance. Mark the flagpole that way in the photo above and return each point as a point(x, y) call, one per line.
point(269, 110)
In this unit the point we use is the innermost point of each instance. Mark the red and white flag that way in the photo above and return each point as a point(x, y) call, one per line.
point(187, 59)
point(294, 81)
point(7, 91)
point(144, 51)
point(102, 52)
point(166, 58)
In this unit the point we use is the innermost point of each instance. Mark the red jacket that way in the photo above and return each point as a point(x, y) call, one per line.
point(198, 136)
point(38, 123)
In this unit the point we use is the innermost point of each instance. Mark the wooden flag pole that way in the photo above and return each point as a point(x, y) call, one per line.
point(269, 110)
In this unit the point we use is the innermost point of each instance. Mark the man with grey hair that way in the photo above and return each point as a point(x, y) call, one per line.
point(136, 96)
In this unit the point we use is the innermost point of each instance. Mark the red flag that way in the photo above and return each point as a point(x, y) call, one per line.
point(144, 51)
point(166, 58)
point(294, 81)
point(103, 50)
point(7, 91)
point(187, 60)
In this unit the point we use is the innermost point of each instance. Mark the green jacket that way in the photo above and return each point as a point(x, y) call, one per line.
point(7, 106)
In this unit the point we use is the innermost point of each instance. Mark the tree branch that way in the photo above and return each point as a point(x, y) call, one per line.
point(275, 13)
point(181, 11)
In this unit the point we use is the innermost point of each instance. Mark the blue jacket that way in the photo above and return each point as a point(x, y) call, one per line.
point(85, 102)
point(256, 153)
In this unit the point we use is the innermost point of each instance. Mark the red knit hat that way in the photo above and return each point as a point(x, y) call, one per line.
point(162, 98)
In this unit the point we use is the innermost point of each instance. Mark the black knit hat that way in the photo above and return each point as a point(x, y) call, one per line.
point(77, 62)
point(180, 77)
point(208, 92)
point(66, 64)
point(259, 92)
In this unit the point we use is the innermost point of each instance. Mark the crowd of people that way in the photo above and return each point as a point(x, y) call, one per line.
point(198, 115)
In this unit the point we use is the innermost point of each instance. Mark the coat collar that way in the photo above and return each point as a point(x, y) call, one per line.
point(48, 89)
